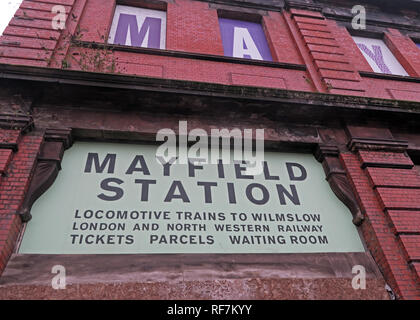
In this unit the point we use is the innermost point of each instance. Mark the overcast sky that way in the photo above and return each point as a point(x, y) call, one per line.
point(7, 10)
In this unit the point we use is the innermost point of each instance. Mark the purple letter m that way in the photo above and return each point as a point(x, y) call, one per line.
point(129, 21)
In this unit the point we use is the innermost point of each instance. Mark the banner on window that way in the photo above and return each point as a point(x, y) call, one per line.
point(138, 27)
point(243, 39)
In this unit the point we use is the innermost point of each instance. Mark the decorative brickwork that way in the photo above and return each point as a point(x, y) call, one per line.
point(388, 190)
point(16, 174)
point(295, 36)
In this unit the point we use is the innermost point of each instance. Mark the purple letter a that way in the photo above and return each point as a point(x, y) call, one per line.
point(127, 21)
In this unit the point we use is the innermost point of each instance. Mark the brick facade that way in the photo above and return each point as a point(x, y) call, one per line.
point(296, 37)
point(16, 174)
point(390, 230)
point(313, 54)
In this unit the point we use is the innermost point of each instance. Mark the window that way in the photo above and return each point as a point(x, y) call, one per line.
point(379, 56)
point(243, 39)
point(138, 27)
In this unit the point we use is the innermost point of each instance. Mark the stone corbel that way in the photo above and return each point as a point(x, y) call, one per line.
point(328, 155)
point(47, 167)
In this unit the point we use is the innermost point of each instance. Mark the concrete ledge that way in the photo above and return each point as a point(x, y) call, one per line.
point(240, 289)
point(192, 276)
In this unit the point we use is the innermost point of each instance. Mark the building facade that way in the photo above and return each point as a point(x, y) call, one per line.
point(87, 86)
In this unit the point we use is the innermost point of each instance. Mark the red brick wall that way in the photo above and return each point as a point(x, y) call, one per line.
point(298, 36)
point(332, 64)
point(387, 187)
point(405, 50)
point(16, 168)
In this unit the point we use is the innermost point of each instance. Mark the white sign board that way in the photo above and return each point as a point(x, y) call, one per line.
point(119, 199)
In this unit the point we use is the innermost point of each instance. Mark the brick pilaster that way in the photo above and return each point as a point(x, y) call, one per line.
point(337, 75)
point(405, 50)
point(388, 189)
point(18, 152)
point(188, 28)
point(30, 38)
